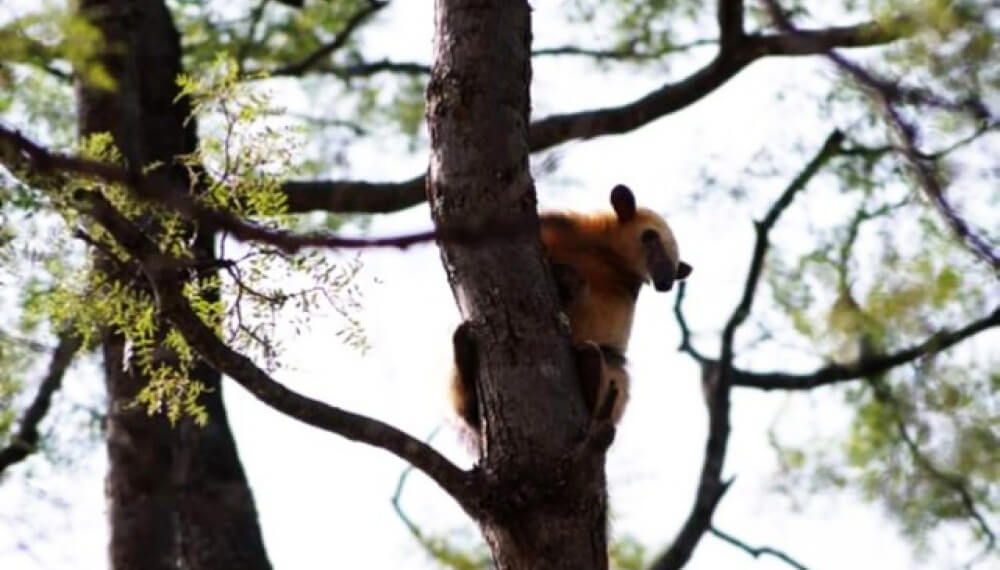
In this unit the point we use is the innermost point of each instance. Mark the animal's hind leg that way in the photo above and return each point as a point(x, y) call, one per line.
point(603, 381)
point(464, 379)
point(589, 369)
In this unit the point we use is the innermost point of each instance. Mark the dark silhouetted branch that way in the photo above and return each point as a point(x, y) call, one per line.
point(756, 551)
point(355, 196)
point(25, 441)
point(155, 189)
point(619, 54)
point(685, 345)
point(870, 366)
point(325, 50)
point(729, 14)
point(550, 131)
point(167, 282)
point(369, 68)
point(717, 376)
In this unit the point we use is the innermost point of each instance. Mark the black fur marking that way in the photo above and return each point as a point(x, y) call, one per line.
point(467, 363)
point(569, 283)
point(613, 356)
point(588, 368)
point(608, 405)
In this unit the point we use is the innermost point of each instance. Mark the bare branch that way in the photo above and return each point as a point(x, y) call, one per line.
point(872, 365)
point(25, 441)
point(369, 68)
point(323, 51)
point(756, 551)
point(763, 228)
point(685, 345)
point(355, 196)
point(551, 131)
point(717, 377)
point(815, 42)
point(886, 93)
point(166, 281)
point(620, 54)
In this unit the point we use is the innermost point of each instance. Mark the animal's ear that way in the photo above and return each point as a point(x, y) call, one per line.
point(683, 270)
point(623, 201)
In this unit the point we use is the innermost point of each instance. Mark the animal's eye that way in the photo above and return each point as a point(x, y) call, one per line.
point(649, 236)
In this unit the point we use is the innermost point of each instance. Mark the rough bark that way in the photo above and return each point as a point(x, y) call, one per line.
point(176, 497)
point(138, 479)
point(215, 516)
point(545, 503)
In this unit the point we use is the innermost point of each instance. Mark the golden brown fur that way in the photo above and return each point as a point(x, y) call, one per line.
point(600, 260)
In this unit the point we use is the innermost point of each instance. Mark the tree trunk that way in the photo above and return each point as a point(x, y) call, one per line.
point(178, 498)
point(216, 518)
point(545, 505)
point(138, 480)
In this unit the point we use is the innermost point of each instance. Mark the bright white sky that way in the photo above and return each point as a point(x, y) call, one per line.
point(325, 502)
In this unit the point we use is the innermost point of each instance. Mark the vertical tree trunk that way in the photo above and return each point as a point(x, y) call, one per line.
point(138, 480)
point(216, 519)
point(177, 498)
point(547, 510)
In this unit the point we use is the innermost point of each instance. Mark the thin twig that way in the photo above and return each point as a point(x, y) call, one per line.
point(325, 50)
point(685, 345)
point(548, 132)
point(717, 377)
point(756, 551)
point(886, 93)
point(25, 441)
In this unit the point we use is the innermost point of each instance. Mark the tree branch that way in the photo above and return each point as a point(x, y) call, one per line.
point(355, 196)
point(956, 483)
point(323, 51)
point(729, 14)
point(167, 283)
point(158, 190)
point(671, 97)
point(717, 377)
point(870, 366)
point(686, 345)
point(756, 551)
point(620, 54)
point(25, 442)
point(369, 68)
point(550, 131)
point(886, 93)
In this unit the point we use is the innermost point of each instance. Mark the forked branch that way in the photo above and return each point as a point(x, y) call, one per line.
point(717, 375)
point(166, 279)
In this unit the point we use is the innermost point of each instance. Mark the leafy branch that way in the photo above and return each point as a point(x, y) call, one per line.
point(166, 281)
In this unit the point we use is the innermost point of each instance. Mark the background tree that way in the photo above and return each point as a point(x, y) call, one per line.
point(877, 294)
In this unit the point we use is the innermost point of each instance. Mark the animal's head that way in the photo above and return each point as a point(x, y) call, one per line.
point(646, 241)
